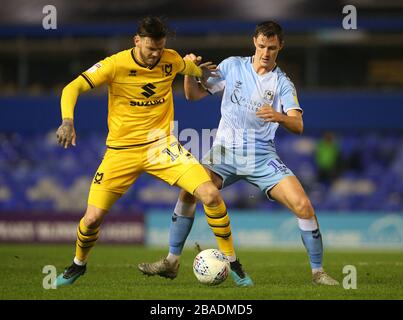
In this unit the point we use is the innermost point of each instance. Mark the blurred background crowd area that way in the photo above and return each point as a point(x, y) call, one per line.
point(36, 174)
point(349, 83)
point(319, 53)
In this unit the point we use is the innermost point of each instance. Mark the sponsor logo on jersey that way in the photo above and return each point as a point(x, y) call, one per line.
point(148, 90)
point(147, 103)
point(238, 99)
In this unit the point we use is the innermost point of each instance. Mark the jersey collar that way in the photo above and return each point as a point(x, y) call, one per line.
point(142, 64)
point(272, 70)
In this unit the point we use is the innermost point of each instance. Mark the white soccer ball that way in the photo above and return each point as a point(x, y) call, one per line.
point(211, 267)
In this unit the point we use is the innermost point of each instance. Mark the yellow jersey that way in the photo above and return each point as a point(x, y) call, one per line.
point(140, 99)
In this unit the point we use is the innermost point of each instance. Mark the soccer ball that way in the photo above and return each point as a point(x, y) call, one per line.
point(211, 267)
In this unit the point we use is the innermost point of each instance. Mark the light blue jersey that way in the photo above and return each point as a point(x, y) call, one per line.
point(244, 145)
point(244, 148)
point(244, 93)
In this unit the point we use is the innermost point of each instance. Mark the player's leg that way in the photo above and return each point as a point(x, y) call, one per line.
point(172, 163)
point(168, 161)
point(99, 204)
point(217, 217)
point(179, 229)
point(181, 224)
point(114, 176)
point(182, 219)
point(291, 194)
point(219, 222)
point(88, 231)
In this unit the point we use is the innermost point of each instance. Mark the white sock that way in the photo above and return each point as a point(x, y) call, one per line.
point(172, 258)
point(231, 258)
point(79, 262)
point(317, 270)
point(307, 224)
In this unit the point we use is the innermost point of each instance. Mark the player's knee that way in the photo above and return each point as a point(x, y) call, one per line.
point(211, 197)
point(93, 217)
point(185, 196)
point(304, 209)
point(92, 221)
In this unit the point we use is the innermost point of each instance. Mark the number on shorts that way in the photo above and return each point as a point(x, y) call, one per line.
point(278, 165)
point(172, 154)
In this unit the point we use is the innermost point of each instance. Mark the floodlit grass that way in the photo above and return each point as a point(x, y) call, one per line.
point(278, 274)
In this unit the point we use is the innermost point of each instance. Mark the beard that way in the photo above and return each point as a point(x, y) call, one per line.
point(149, 61)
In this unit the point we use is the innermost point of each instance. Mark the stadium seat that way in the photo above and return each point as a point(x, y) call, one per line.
point(36, 174)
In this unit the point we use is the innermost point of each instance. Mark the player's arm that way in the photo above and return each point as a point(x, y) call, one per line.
point(291, 117)
point(100, 73)
point(66, 134)
point(292, 120)
point(205, 70)
point(193, 87)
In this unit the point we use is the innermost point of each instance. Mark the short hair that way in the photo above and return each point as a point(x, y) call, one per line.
point(152, 27)
point(269, 29)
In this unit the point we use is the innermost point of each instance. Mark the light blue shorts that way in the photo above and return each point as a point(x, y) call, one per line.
point(262, 168)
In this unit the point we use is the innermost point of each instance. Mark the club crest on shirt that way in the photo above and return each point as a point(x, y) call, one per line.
point(98, 177)
point(269, 95)
point(168, 69)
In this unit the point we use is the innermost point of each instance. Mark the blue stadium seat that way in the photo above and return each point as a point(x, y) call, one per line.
point(28, 161)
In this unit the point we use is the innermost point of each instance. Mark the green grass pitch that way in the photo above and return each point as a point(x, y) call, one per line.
point(278, 274)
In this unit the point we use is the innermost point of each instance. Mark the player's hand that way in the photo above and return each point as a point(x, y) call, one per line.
point(192, 57)
point(66, 134)
point(268, 114)
point(209, 70)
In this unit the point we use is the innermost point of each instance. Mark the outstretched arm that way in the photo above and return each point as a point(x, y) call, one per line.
point(194, 89)
point(66, 134)
point(192, 86)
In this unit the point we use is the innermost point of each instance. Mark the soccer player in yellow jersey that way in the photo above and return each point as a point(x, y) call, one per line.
point(140, 113)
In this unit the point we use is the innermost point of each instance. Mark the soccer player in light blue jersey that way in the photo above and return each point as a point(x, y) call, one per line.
point(257, 97)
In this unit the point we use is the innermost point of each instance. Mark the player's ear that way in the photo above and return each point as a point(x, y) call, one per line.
point(281, 45)
point(136, 40)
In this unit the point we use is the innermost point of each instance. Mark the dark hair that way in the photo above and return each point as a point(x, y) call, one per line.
point(269, 29)
point(152, 27)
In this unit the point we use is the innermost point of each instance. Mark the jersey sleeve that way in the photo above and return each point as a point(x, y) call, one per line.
point(217, 84)
point(69, 96)
point(191, 69)
point(184, 66)
point(288, 96)
point(100, 73)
